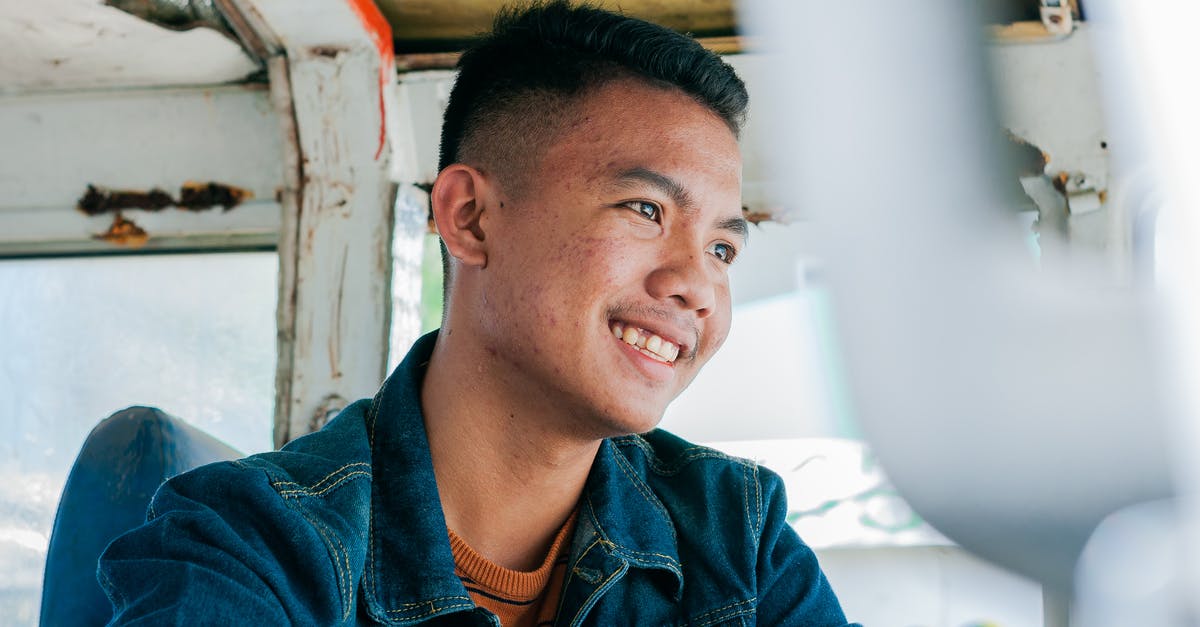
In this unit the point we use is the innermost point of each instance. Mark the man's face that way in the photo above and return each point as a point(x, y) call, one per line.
point(625, 227)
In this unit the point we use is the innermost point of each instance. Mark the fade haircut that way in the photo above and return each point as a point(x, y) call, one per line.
point(519, 84)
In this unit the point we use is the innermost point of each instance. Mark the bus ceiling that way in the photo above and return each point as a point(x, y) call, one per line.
point(425, 26)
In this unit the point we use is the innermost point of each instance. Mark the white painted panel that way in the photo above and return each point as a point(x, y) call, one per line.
point(54, 145)
point(929, 587)
point(65, 230)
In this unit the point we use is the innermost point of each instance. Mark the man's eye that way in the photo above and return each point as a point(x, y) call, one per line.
point(649, 210)
point(724, 252)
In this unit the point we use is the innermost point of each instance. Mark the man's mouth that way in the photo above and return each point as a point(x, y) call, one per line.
point(650, 344)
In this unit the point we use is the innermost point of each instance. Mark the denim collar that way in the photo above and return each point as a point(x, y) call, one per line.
point(409, 575)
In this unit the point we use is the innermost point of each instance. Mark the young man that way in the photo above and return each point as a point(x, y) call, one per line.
point(589, 202)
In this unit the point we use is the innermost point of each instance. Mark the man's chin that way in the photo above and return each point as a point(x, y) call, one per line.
point(626, 424)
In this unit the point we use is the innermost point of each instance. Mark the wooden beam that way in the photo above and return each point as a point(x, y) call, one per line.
point(458, 20)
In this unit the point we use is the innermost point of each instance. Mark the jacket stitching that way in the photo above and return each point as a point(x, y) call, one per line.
point(687, 456)
point(587, 604)
point(743, 612)
point(338, 552)
point(746, 505)
point(571, 573)
point(723, 608)
point(673, 564)
point(308, 491)
point(688, 452)
point(417, 604)
point(716, 619)
point(108, 585)
point(372, 413)
point(433, 608)
point(643, 489)
point(326, 477)
point(758, 503)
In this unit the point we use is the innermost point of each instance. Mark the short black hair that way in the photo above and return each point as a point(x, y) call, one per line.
point(543, 54)
point(515, 84)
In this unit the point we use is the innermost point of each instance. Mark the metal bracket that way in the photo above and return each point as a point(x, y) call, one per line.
point(1058, 16)
point(1080, 192)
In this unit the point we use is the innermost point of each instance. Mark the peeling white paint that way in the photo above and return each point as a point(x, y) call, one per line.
point(82, 44)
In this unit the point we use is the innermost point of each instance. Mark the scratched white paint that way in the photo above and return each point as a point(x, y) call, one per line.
point(81, 44)
point(335, 248)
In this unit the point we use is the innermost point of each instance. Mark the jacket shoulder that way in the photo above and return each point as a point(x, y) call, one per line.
point(665, 454)
point(320, 463)
point(278, 538)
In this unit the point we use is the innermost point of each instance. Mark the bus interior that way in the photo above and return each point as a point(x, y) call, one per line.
point(965, 332)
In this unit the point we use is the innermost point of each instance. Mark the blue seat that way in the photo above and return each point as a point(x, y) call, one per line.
point(123, 461)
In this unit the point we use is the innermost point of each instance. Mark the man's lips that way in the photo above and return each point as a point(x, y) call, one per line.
point(648, 342)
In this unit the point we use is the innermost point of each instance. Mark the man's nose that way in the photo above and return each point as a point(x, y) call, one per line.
point(685, 280)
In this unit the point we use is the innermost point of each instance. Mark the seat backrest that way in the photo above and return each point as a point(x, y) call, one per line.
point(123, 461)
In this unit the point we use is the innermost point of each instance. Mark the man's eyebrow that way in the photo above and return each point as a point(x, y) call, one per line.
point(679, 195)
point(665, 184)
point(736, 225)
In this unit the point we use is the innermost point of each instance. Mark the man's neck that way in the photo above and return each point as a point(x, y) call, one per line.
point(508, 473)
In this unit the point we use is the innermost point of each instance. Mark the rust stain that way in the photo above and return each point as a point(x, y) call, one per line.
point(328, 51)
point(199, 196)
point(98, 200)
point(756, 217)
point(1060, 182)
point(124, 233)
point(193, 196)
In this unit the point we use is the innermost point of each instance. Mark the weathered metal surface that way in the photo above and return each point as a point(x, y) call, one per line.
point(176, 14)
point(335, 248)
point(1049, 96)
point(56, 145)
point(82, 44)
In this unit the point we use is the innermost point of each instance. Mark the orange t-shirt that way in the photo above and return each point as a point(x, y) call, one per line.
point(517, 598)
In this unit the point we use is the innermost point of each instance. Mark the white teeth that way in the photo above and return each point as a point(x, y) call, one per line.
point(654, 356)
point(649, 344)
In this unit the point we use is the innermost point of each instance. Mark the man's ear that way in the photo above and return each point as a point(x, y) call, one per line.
point(458, 199)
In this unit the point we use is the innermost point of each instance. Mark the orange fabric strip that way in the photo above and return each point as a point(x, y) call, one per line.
point(517, 598)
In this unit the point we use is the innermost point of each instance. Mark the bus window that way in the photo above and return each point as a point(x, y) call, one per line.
point(83, 337)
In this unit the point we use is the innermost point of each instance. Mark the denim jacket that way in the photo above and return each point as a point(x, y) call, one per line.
point(345, 527)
